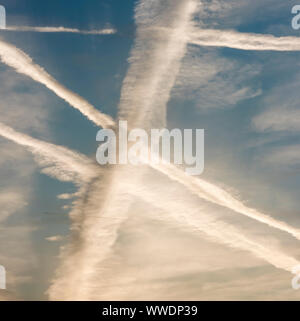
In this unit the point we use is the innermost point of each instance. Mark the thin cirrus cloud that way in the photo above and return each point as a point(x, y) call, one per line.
point(215, 230)
point(56, 161)
point(278, 120)
point(281, 112)
point(213, 82)
point(287, 157)
point(10, 202)
point(15, 231)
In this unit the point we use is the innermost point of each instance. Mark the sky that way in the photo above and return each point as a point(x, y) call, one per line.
point(73, 230)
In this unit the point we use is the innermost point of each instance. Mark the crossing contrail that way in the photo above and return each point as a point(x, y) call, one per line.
point(155, 62)
point(162, 38)
point(220, 196)
point(189, 215)
point(99, 222)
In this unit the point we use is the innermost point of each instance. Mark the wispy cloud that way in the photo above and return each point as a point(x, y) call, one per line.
point(287, 157)
point(280, 112)
point(213, 82)
point(284, 119)
point(217, 231)
point(10, 202)
point(56, 161)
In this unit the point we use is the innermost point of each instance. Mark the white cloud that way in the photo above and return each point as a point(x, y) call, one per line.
point(281, 109)
point(287, 156)
point(10, 202)
point(22, 105)
point(213, 81)
point(55, 238)
point(284, 119)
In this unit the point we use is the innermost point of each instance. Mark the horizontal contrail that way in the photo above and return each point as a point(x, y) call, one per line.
point(107, 31)
point(243, 41)
point(23, 64)
point(57, 161)
point(220, 232)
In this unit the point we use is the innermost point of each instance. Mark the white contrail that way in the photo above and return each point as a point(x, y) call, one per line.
point(162, 37)
point(97, 217)
point(155, 63)
point(163, 30)
point(106, 31)
point(23, 64)
point(243, 41)
point(97, 230)
point(57, 161)
point(219, 196)
point(199, 221)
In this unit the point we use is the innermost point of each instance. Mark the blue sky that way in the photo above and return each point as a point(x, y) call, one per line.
point(247, 102)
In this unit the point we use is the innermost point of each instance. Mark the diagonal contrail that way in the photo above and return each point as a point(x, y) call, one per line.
point(98, 232)
point(56, 161)
point(219, 196)
point(107, 31)
point(220, 232)
point(155, 63)
point(103, 213)
point(23, 64)
point(243, 41)
point(144, 98)
point(161, 43)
